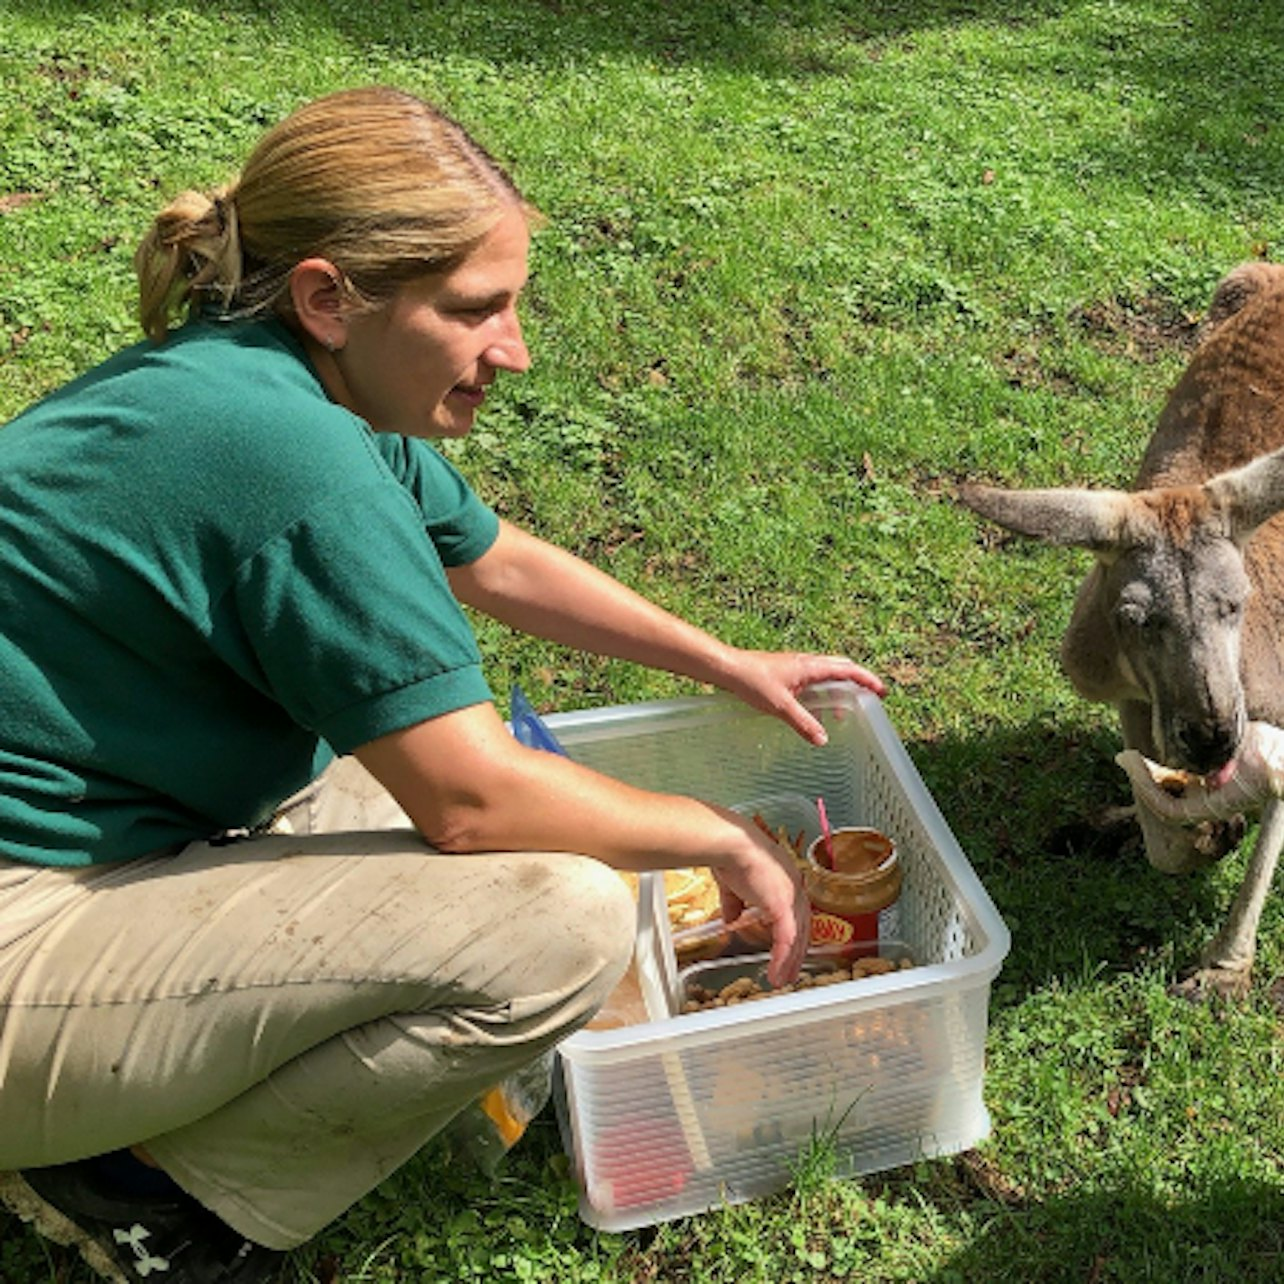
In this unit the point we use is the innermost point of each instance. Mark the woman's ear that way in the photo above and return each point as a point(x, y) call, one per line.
point(316, 293)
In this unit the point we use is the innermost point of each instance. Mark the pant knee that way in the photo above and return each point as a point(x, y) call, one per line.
point(600, 916)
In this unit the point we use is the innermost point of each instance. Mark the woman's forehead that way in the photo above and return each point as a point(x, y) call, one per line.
point(499, 261)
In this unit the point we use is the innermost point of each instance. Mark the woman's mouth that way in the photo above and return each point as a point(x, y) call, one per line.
point(473, 394)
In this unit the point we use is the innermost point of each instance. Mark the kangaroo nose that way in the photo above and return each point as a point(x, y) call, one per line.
point(1205, 746)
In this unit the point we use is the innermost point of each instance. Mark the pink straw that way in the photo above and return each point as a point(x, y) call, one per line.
point(825, 831)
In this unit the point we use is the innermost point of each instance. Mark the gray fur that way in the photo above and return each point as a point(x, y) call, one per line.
point(1180, 622)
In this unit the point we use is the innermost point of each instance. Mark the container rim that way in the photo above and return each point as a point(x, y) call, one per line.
point(587, 725)
point(920, 983)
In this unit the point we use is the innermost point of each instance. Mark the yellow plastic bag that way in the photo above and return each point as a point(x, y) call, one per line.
point(485, 1131)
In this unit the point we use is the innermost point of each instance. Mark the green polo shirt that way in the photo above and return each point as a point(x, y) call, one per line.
point(211, 578)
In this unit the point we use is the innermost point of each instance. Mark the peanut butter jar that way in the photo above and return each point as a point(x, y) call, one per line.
point(854, 903)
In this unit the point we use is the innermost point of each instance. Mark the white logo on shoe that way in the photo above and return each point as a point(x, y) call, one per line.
point(145, 1263)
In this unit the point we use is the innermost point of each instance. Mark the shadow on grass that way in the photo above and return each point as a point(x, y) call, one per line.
point(765, 36)
point(1204, 78)
point(1126, 1235)
point(791, 37)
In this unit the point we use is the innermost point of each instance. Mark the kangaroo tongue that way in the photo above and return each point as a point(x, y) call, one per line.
point(1216, 779)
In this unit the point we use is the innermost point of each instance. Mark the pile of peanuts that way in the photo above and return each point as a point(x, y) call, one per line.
point(744, 989)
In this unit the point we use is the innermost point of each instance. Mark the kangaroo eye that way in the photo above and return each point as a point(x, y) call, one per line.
point(1228, 611)
point(1133, 615)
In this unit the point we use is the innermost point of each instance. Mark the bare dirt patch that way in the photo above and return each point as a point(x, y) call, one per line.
point(1144, 329)
point(10, 201)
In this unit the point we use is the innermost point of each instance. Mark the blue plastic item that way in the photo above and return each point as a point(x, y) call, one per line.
point(529, 728)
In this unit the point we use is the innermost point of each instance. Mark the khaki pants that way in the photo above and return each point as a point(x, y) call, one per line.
point(285, 1020)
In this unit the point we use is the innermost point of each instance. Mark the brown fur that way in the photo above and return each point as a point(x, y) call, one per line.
point(1180, 623)
point(1227, 409)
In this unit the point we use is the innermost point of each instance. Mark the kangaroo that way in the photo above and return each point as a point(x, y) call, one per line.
point(1180, 622)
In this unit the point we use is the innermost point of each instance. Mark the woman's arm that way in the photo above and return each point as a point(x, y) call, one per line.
point(540, 589)
point(469, 786)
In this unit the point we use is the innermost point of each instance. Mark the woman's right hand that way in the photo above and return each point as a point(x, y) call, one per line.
point(764, 875)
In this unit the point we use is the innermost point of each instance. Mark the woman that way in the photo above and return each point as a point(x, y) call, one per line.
point(226, 555)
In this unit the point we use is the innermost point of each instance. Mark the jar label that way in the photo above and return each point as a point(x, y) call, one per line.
point(839, 929)
point(829, 929)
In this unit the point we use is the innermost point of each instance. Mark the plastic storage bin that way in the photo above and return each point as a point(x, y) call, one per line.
point(683, 1112)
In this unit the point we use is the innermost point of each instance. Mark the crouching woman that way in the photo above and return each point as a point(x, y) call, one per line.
point(279, 893)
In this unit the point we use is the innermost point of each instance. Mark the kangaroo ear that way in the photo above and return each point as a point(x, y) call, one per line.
point(1092, 519)
point(1249, 495)
point(1239, 287)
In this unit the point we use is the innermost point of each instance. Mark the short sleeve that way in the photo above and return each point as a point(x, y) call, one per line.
point(459, 524)
point(346, 619)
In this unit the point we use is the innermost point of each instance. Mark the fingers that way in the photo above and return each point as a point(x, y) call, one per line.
point(1143, 785)
point(1157, 800)
point(837, 668)
point(803, 721)
point(871, 681)
point(806, 724)
point(772, 680)
point(780, 967)
point(764, 879)
point(789, 939)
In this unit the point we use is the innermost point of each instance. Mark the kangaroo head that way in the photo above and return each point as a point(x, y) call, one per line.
point(1159, 619)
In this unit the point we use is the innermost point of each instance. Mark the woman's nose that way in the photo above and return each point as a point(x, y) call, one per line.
point(508, 351)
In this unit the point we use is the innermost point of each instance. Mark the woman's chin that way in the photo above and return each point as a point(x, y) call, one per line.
point(452, 421)
point(438, 425)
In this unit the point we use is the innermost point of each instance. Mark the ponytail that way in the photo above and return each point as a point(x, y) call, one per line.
point(192, 249)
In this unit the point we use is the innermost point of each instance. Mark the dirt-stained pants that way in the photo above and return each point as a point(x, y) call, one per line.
point(285, 1020)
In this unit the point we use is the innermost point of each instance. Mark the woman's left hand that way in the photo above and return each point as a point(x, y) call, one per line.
point(543, 590)
point(772, 680)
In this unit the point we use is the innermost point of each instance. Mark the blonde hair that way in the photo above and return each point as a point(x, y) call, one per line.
point(380, 183)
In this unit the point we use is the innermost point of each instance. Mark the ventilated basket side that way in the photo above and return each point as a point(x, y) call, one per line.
point(685, 1113)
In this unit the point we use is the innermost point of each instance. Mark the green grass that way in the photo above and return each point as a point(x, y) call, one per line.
point(806, 266)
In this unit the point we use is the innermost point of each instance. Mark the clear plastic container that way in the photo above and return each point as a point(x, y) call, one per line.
point(690, 1111)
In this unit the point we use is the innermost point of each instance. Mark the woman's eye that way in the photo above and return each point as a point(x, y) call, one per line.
point(475, 311)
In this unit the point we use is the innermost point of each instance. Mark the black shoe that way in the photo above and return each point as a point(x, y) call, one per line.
point(159, 1239)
